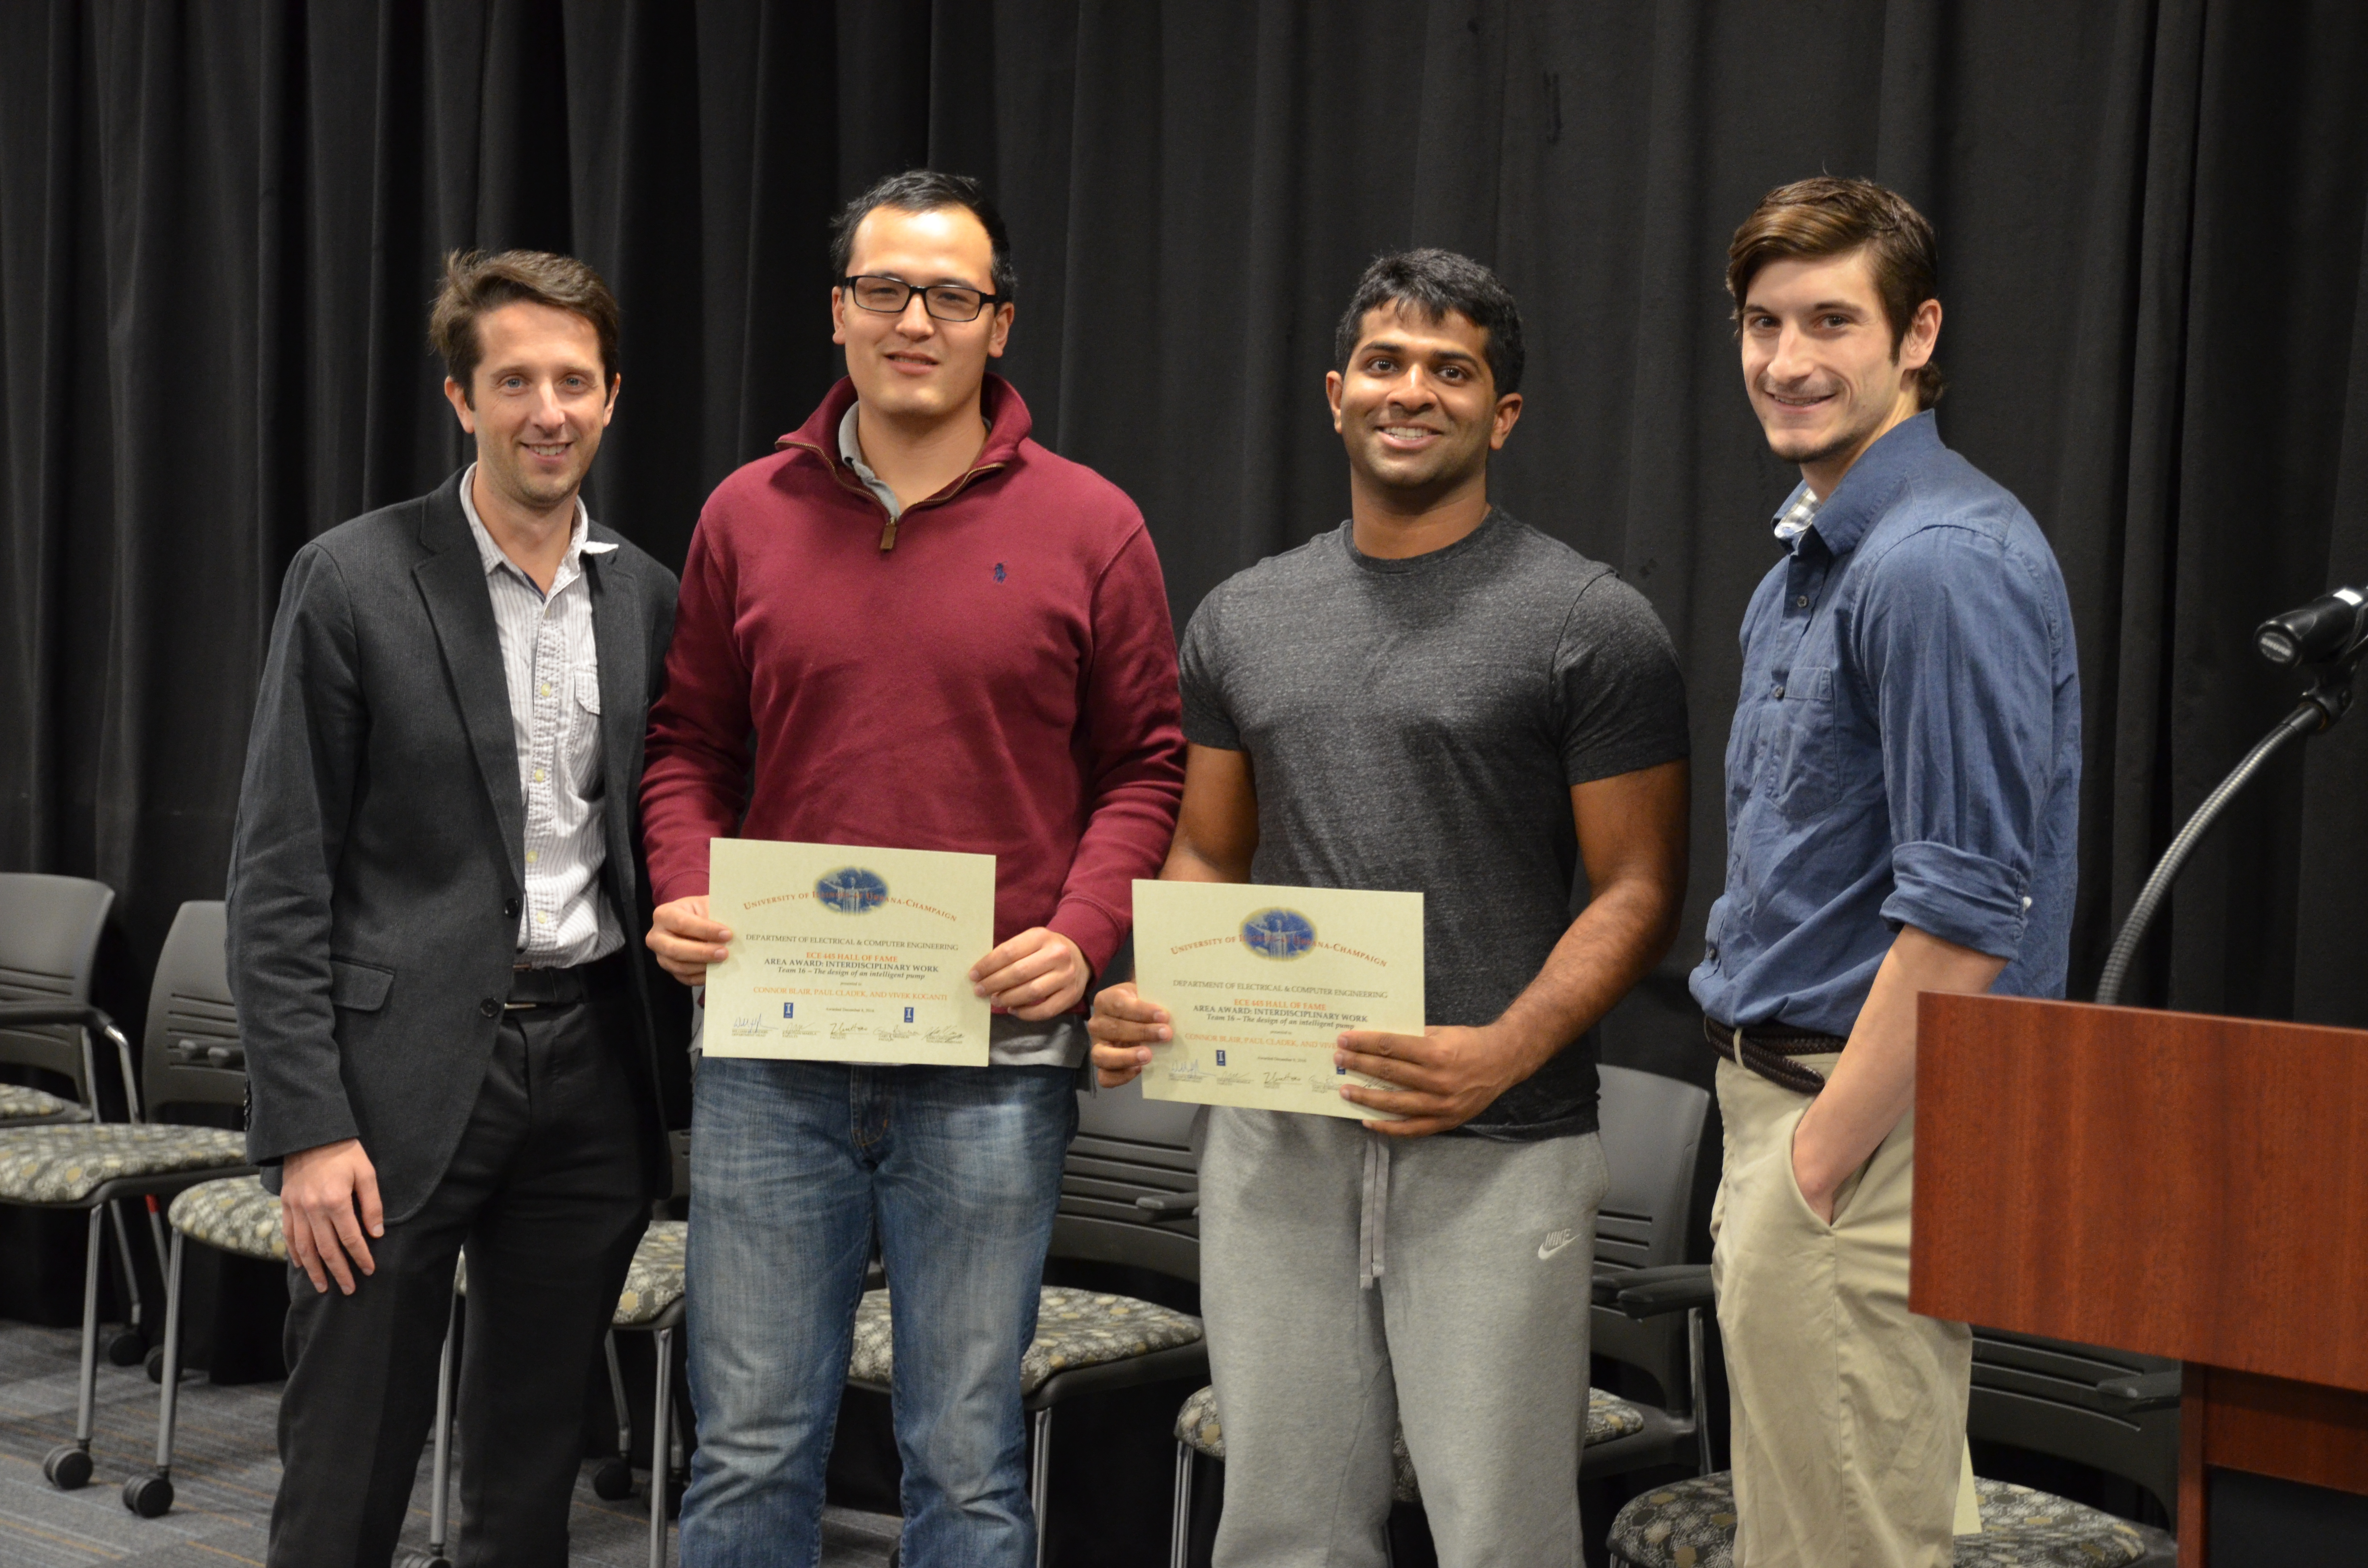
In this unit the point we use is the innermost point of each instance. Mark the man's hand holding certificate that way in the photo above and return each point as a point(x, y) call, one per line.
point(841, 954)
point(1259, 984)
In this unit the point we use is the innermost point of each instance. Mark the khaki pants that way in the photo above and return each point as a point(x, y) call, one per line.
point(1848, 1409)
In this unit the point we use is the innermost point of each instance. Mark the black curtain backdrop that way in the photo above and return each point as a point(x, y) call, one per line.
point(220, 220)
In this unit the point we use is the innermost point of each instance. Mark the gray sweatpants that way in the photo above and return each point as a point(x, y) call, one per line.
point(1473, 1336)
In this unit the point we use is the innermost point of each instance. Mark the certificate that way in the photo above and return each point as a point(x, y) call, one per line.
point(841, 954)
point(1259, 983)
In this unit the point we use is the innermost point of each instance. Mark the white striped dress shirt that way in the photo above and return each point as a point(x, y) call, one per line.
point(552, 669)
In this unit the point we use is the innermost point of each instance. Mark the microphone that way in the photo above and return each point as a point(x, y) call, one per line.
point(2319, 630)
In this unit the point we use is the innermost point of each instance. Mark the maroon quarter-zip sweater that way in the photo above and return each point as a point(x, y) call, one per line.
point(1001, 679)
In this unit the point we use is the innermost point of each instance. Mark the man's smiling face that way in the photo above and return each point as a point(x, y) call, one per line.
point(537, 403)
point(911, 365)
point(1417, 407)
point(1824, 374)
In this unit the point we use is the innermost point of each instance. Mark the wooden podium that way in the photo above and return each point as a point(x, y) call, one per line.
point(2186, 1187)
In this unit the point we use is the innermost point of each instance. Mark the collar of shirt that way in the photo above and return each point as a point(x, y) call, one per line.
point(1793, 517)
point(1868, 488)
point(579, 541)
point(851, 452)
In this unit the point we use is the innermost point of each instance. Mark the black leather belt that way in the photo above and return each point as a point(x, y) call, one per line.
point(1769, 1050)
point(533, 987)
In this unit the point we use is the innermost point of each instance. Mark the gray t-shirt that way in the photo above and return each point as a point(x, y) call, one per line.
point(1417, 725)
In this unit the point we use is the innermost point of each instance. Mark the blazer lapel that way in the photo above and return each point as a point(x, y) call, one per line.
point(618, 635)
point(452, 581)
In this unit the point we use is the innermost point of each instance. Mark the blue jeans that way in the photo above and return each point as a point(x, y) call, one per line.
point(794, 1164)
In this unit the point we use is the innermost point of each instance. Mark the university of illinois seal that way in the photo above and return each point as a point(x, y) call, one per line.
point(1278, 933)
point(851, 889)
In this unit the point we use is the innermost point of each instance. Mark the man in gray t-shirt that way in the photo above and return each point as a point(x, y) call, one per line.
point(1432, 697)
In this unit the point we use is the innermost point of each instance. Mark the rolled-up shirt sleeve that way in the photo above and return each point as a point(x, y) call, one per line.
point(1957, 640)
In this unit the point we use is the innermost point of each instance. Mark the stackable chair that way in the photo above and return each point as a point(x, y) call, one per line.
point(235, 1215)
point(1652, 1130)
point(192, 1057)
point(89, 1166)
point(1130, 1196)
point(2112, 1410)
point(48, 949)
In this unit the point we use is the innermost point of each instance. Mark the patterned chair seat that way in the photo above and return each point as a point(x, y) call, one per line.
point(234, 1214)
point(654, 1281)
point(19, 1105)
point(66, 1165)
point(1197, 1428)
point(1074, 1328)
point(1691, 1525)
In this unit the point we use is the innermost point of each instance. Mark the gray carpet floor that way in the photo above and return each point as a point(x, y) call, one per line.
point(225, 1471)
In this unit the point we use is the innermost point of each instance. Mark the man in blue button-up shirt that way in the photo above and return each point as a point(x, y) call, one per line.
point(1902, 787)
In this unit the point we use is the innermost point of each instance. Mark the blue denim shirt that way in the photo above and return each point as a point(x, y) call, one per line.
point(1907, 747)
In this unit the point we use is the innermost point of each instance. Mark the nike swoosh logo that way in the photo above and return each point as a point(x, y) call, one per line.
point(1555, 1244)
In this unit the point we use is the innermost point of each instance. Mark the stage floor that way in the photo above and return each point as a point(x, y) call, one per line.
point(224, 1472)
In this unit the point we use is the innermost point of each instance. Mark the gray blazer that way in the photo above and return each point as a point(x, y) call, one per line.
point(376, 872)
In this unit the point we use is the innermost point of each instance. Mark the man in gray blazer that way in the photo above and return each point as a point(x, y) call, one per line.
point(450, 1040)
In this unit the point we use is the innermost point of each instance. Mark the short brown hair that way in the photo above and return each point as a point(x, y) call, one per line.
point(1812, 219)
point(475, 283)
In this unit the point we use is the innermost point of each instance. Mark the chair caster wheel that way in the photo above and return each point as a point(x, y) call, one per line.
point(148, 1496)
point(897, 1555)
point(67, 1467)
point(128, 1348)
point(156, 1365)
point(613, 1479)
point(424, 1559)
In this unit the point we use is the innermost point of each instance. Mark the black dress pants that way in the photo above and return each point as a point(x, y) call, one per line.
point(548, 1191)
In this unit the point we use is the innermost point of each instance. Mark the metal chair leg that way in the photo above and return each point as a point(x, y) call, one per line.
point(1179, 1533)
point(151, 1495)
point(67, 1466)
point(156, 1233)
point(438, 1505)
point(130, 1274)
point(661, 1447)
point(89, 1333)
point(168, 1408)
point(617, 1395)
point(1040, 1476)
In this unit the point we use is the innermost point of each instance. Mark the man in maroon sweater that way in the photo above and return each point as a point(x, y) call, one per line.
point(939, 635)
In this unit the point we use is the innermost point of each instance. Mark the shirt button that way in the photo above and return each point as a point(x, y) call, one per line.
point(1780, 691)
point(532, 855)
point(546, 685)
point(510, 907)
point(490, 1007)
point(1802, 601)
point(538, 775)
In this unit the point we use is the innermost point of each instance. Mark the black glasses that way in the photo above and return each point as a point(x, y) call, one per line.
point(888, 296)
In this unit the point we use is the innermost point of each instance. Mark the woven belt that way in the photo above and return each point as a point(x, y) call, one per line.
point(1769, 1050)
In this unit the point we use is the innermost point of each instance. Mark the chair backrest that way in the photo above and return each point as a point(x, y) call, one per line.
point(48, 949)
point(2041, 1395)
point(1128, 1147)
point(1652, 1130)
point(191, 1054)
